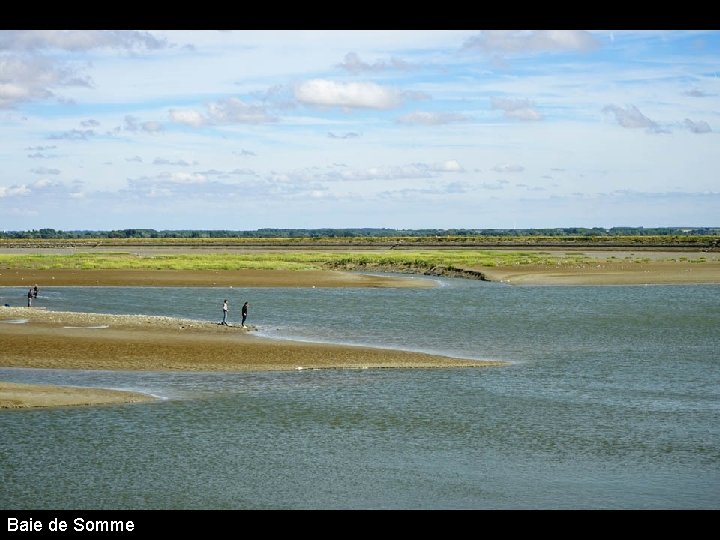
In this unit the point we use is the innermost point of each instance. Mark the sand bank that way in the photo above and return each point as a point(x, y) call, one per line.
point(34, 338)
point(22, 396)
point(206, 278)
point(615, 268)
point(68, 340)
point(651, 273)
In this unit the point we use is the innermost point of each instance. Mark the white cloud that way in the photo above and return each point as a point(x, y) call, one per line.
point(349, 135)
point(631, 117)
point(353, 64)
point(179, 162)
point(451, 165)
point(355, 95)
point(133, 124)
point(78, 40)
point(187, 178)
point(696, 92)
point(151, 127)
point(44, 184)
point(27, 74)
point(519, 109)
point(399, 172)
point(187, 116)
point(226, 111)
point(27, 78)
point(508, 168)
point(73, 135)
point(513, 41)
point(45, 170)
point(697, 127)
point(14, 191)
point(235, 111)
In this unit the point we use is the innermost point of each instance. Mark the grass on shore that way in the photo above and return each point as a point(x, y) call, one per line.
point(419, 260)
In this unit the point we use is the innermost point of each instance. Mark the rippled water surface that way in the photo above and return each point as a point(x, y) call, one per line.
point(611, 400)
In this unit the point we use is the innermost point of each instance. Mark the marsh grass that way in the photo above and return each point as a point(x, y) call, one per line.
point(410, 260)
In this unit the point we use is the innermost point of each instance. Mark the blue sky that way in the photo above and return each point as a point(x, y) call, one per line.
point(240, 130)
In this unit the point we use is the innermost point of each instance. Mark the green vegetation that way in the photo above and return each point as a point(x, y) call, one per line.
point(409, 261)
point(426, 251)
point(693, 238)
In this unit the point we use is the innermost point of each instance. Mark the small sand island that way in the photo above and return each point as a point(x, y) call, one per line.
point(69, 340)
point(22, 396)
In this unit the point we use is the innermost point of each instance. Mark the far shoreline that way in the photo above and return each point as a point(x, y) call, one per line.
point(600, 268)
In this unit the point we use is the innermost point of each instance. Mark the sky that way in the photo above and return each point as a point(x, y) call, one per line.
point(404, 129)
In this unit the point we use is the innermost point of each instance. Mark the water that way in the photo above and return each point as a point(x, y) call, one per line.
point(610, 400)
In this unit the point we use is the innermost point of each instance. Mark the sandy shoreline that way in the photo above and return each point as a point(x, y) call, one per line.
point(65, 340)
point(657, 268)
point(205, 278)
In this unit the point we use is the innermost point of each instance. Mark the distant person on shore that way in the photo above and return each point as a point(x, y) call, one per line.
point(225, 312)
point(30, 296)
point(35, 291)
point(244, 314)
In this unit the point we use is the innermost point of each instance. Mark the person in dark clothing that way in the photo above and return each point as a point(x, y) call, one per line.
point(30, 296)
point(244, 314)
point(35, 291)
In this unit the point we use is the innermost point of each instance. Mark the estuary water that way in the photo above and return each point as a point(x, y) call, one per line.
point(610, 400)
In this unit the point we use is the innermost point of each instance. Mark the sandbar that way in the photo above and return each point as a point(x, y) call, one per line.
point(24, 396)
point(95, 341)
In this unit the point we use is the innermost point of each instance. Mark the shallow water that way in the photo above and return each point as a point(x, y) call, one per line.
point(611, 400)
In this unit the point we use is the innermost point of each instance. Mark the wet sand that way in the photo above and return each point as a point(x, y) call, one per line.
point(205, 278)
point(613, 267)
point(602, 273)
point(23, 396)
point(64, 340)
point(36, 338)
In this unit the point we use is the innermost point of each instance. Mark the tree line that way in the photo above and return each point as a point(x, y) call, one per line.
point(46, 233)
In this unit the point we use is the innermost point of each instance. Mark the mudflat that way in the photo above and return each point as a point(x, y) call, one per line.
point(204, 278)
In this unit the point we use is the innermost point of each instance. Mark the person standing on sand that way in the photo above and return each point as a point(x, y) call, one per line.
point(225, 312)
point(244, 314)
